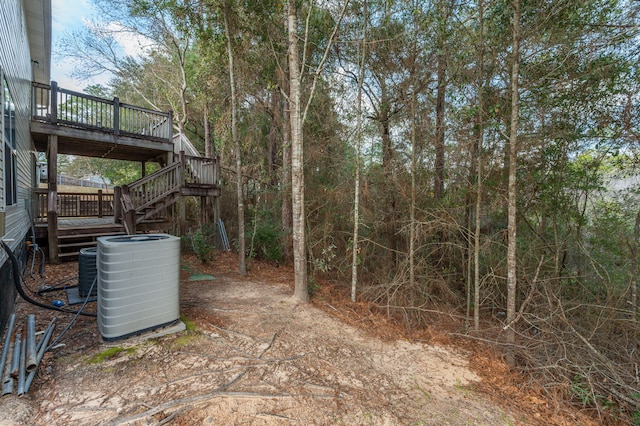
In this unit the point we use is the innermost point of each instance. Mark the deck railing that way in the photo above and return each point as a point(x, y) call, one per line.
point(200, 171)
point(56, 105)
point(147, 198)
point(74, 204)
point(150, 189)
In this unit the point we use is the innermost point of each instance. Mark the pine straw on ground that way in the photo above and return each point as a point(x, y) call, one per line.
point(499, 383)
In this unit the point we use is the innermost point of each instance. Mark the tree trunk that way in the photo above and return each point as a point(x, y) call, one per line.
point(272, 150)
point(286, 217)
point(208, 149)
point(412, 207)
point(478, 165)
point(513, 162)
point(242, 267)
point(356, 197)
point(635, 280)
point(390, 213)
point(438, 187)
point(301, 292)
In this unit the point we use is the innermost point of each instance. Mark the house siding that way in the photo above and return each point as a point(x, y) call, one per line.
point(15, 65)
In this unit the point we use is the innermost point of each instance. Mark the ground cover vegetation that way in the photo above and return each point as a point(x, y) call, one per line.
point(470, 158)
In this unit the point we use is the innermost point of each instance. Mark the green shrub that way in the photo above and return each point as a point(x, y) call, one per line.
point(202, 243)
point(265, 240)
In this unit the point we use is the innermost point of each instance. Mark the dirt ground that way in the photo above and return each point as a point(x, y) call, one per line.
point(250, 355)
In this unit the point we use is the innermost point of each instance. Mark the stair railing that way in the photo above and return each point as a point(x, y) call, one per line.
point(145, 197)
point(200, 170)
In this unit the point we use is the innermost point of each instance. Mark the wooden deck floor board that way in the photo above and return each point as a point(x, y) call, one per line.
point(79, 222)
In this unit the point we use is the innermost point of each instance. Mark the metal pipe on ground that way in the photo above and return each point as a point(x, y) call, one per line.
point(5, 373)
point(44, 333)
point(4, 365)
point(7, 339)
point(15, 363)
point(42, 347)
point(7, 382)
point(31, 355)
point(23, 366)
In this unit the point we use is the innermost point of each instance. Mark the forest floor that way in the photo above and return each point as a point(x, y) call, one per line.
point(252, 355)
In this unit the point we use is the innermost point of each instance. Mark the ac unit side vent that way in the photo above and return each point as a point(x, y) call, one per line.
point(138, 283)
point(87, 271)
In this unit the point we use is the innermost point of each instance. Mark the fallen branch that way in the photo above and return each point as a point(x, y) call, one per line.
point(273, 338)
point(480, 339)
point(182, 402)
point(178, 402)
point(170, 418)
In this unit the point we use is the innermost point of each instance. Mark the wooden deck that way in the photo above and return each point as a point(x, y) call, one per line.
point(77, 233)
point(89, 126)
point(68, 122)
point(77, 222)
point(80, 222)
point(93, 223)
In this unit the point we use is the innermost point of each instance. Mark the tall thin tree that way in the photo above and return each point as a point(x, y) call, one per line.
point(512, 192)
point(356, 197)
point(478, 165)
point(443, 15)
point(242, 267)
point(297, 117)
point(301, 292)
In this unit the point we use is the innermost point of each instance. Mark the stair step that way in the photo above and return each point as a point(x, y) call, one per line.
point(85, 236)
point(68, 255)
point(81, 244)
point(71, 232)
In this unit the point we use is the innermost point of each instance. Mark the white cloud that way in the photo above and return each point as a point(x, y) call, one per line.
point(132, 43)
point(73, 15)
point(67, 16)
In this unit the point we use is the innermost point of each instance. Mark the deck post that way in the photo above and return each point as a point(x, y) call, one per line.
point(181, 204)
point(52, 204)
point(216, 200)
point(54, 102)
point(129, 212)
point(203, 211)
point(99, 202)
point(143, 175)
point(117, 204)
point(116, 116)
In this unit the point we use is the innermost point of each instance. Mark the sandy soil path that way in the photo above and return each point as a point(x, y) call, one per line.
point(257, 358)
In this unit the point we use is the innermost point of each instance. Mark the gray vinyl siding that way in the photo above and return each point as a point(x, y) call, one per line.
point(15, 64)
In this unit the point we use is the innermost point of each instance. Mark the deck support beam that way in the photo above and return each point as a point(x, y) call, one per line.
point(52, 205)
point(216, 201)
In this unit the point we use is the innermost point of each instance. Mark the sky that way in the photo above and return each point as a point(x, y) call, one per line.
point(68, 15)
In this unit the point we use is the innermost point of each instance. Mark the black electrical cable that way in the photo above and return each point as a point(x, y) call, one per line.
point(41, 269)
point(57, 286)
point(73, 320)
point(52, 289)
point(36, 248)
point(18, 283)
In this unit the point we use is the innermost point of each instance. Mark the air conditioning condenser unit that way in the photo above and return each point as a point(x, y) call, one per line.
point(138, 283)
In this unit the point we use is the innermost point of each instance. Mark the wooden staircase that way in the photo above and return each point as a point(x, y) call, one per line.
point(73, 123)
point(72, 240)
point(71, 221)
point(148, 200)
